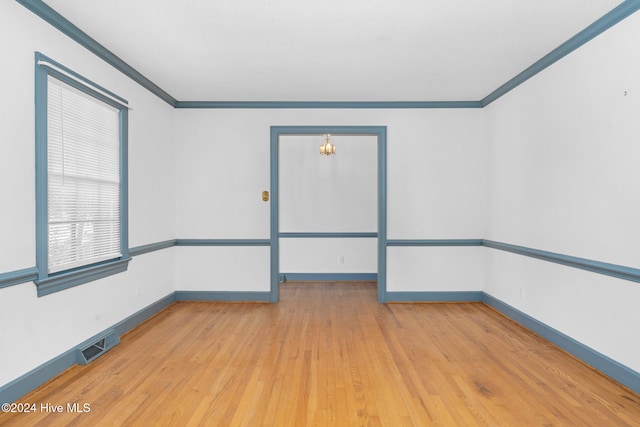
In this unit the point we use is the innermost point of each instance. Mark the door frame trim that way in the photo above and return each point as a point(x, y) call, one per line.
point(381, 133)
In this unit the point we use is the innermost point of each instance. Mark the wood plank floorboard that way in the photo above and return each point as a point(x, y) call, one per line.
point(329, 355)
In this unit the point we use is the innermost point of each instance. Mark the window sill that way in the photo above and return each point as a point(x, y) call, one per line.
point(69, 279)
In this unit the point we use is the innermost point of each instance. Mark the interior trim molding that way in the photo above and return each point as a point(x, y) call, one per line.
point(19, 276)
point(381, 141)
point(48, 14)
point(618, 372)
point(330, 277)
point(434, 296)
point(222, 242)
point(434, 242)
point(33, 379)
point(151, 247)
point(327, 104)
point(223, 296)
point(620, 12)
point(613, 270)
point(28, 382)
point(619, 271)
point(142, 315)
point(329, 235)
point(14, 390)
point(59, 282)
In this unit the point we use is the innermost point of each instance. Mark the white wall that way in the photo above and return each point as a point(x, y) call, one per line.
point(225, 268)
point(564, 178)
point(437, 190)
point(329, 255)
point(35, 330)
point(434, 268)
point(328, 193)
point(436, 187)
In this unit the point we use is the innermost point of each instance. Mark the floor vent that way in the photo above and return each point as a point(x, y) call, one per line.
point(97, 347)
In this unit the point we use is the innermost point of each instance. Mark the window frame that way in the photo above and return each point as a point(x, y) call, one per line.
point(46, 282)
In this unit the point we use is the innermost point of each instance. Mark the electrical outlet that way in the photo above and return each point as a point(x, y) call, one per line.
point(342, 259)
point(137, 289)
point(521, 292)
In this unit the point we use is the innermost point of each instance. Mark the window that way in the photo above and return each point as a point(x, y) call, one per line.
point(81, 182)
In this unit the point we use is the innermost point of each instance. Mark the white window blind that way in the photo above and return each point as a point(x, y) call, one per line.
point(83, 157)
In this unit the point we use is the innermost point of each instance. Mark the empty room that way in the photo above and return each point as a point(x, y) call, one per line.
point(292, 213)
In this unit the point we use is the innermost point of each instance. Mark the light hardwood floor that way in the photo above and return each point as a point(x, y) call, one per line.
point(329, 355)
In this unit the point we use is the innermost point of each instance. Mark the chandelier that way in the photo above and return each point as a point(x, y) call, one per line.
point(327, 148)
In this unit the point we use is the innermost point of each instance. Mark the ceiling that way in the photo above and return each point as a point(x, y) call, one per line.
point(331, 50)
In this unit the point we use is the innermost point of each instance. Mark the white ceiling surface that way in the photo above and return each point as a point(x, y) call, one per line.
point(331, 50)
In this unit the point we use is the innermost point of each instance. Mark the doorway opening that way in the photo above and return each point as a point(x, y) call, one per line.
point(282, 136)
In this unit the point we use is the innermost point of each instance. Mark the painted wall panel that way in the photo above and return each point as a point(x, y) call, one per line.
point(563, 178)
point(35, 330)
point(151, 174)
point(424, 269)
point(328, 193)
point(327, 255)
point(437, 168)
point(596, 310)
point(222, 167)
point(235, 269)
point(17, 145)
